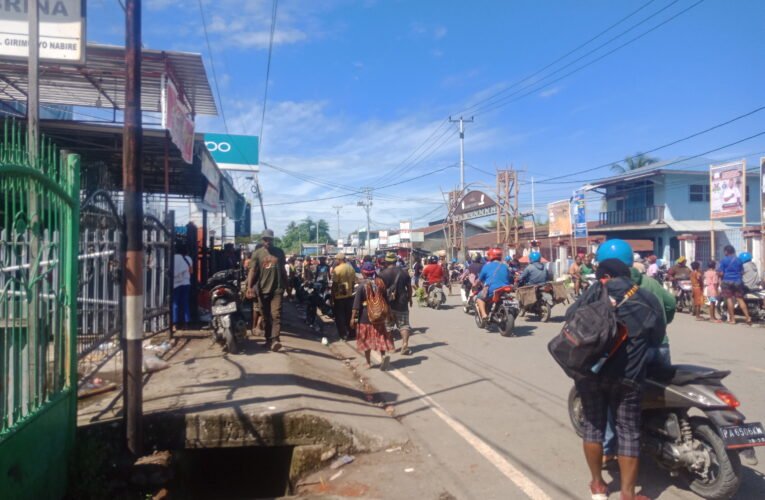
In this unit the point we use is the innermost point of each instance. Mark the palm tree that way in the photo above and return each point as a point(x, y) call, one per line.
point(639, 160)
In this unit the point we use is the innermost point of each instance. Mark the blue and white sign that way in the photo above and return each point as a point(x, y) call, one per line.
point(234, 152)
point(580, 216)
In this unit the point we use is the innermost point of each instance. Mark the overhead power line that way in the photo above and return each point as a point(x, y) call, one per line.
point(212, 65)
point(268, 70)
point(658, 148)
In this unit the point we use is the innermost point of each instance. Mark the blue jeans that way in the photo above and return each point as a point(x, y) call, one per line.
point(658, 356)
point(181, 304)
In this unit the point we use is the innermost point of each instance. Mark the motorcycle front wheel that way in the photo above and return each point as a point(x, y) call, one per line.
point(724, 474)
point(545, 311)
point(576, 412)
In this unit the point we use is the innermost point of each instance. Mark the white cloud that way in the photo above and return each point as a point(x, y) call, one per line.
point(439, 32)
point(549, 92)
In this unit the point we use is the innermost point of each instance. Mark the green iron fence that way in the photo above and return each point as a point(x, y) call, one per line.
point(39, 217)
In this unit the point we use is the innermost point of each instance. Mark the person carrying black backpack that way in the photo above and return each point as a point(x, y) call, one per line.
point(617, 381)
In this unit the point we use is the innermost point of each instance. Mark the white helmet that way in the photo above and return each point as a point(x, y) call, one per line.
point(636, 257)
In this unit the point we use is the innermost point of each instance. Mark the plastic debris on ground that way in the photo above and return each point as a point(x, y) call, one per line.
point(336, 475)
point(95, 386)
point(344, 460)
point(151, 363)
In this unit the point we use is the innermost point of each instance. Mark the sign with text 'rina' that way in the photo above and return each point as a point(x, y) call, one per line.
point(62, 29)
point(234, 152)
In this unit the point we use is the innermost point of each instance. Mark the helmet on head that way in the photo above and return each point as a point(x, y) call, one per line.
point(636, 257)
point(681, 260)
point(508, 258)
point(494, 254)
point(535, 257)
point(745, 257)
point(615, 249)
point(390, 257)
point(433, 259)
point(454, 261)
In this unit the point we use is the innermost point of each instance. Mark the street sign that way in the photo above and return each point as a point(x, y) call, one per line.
point(476, 214)
point(234, 152)
point(62, 29)
point(474, 201)
point(580, 216)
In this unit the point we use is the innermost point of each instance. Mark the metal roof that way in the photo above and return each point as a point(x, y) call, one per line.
point(101, 81)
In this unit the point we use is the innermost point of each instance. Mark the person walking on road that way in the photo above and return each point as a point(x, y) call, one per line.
point(417, 269)
point(711, 287)
point(343, 280)
point(697, 285)
point(732, 286)
point(266, 282)
point(575, 272)
point(399, 286)
point(181, 287)
point(618, 385)
point(371, 336)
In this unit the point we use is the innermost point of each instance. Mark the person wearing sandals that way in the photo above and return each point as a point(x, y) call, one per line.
point(370, 336)
point(711, 285)
point(732, 285)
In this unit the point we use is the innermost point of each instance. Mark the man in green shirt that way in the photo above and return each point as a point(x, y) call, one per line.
point(266, 281)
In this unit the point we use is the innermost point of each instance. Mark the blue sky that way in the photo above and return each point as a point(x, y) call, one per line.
point(357, 86)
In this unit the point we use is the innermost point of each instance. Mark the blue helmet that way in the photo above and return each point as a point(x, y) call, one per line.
point(535, 257)
point(615, 249)
point(745, 257)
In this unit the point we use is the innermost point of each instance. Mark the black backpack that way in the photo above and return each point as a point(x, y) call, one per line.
point(590, 337)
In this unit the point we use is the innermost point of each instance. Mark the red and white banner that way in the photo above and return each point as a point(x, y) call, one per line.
point(176, 118)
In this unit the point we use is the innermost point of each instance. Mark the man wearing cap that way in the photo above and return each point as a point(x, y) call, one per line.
point(680, 271)
point(343, 280)
point(267, 280)
point(399, 285)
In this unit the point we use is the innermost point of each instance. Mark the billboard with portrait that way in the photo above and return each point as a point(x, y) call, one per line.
point(727, 186)
point(559, 214)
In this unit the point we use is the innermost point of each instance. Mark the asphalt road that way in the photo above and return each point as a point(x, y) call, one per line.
point(492, 411)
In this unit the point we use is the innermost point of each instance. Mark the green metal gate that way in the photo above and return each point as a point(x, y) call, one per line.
point(39, 217)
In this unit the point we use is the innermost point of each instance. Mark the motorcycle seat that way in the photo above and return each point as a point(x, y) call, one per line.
point(686, 374)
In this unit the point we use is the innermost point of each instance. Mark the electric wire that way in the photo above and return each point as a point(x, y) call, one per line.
point(268, 68)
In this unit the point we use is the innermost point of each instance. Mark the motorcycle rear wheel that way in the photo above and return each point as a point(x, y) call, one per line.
point(728, 467)
point(507, 325)
point(231, 345)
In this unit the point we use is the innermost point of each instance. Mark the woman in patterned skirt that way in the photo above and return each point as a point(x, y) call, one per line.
point(370, 336)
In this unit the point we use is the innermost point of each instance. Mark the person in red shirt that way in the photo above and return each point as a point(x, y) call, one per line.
point(433, 272)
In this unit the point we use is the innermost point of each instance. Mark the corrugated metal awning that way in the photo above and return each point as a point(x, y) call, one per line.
point(101, 81)
point(697, 226)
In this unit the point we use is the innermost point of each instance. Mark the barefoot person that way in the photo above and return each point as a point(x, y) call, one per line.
point(371, 336)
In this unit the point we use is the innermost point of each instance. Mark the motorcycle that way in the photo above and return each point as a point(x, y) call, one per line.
point(317, 298)
point(502, 311)
point(469, 306)
point(754, 303)
point(228, 323)
point(455, 274)
point(706, 450)
point(683, 292)
point(435, 295)
point(537, 300)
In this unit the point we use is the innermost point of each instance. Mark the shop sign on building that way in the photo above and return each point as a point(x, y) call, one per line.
point(212, 193)
point(383, 238)
point(405, 230)
point(474, 205)
point(580, 216)
point(234, 152)
point(727, 185)
point(559, 215)
point(62, 29)
point(176, 119)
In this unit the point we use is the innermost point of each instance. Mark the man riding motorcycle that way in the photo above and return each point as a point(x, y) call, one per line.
point(535, 273)
point(680, 271)
point(433, 272)
point(494, 275)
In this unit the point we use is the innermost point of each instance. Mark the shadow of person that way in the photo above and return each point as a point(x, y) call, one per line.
point(407, 361)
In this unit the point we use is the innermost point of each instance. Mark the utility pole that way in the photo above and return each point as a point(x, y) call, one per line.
point(132, 180)
point(31, 351)
point(337, 209)
point(367, 204)
point(258, 191)
point(317, 237)
point(533, 213)
point(462, 175)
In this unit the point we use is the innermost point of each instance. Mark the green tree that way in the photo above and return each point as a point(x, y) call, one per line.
point(304, 231)
point(639, 160)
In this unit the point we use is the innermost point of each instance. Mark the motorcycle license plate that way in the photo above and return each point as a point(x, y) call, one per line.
point(743, 436)
point(224, 309)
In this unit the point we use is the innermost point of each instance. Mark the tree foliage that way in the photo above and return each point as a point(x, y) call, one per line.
point(304, 231)
point(639, 160)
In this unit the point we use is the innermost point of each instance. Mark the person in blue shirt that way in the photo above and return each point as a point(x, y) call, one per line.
point(732, 285)
point(494, 275)
point(535, 273)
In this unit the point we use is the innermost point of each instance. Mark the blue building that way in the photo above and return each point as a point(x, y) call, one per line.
point(661, 202)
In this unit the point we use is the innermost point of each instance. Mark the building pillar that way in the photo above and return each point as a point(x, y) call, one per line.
point(562, 262)
point(688, 246)
point(595, 243)
point(753, 238)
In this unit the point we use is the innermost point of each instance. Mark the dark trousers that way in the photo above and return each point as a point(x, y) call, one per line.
point(181, 310)
point(343, 309)
point(271, 306)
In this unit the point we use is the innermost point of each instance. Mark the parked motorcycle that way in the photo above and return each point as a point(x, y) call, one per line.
point(502, 309)
point(228, 323)
point(754, 303)
point(435, 295)
point(537, 300)
point(705, 450)
point(683, 292)
point(317, 298)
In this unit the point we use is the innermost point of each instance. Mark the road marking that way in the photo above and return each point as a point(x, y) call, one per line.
point(506, 468)
point(757, 369)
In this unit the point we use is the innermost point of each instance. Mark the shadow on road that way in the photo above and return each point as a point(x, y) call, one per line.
point(421, 347)
point(407, 362)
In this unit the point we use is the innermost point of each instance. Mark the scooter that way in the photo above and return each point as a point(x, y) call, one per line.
point(683, 292)
point(318, 298)
point(536, 299)
point(754, 303)
point(705, 450)
point(228, 324)
point(502, 311)
point(435, 295)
